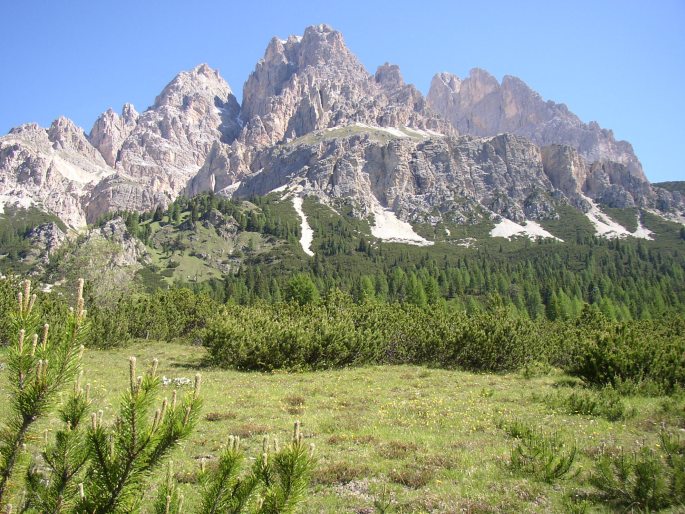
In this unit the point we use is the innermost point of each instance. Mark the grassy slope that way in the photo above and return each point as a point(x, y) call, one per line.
point(435, 430)
point(219, 252)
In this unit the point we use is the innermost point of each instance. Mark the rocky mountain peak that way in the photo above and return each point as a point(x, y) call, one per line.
point(202, 82)
point(66, 136)
point(110, 130)
point(129, 114)
point(481, 106)
point(62, 130)
point(29, 132)
point(321, 44)
point(389, 76)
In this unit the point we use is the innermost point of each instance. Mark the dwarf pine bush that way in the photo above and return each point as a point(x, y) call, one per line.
point(647, 479)
point(606, 403)
point(338, 333)
point(544, 456)
point(276, 484)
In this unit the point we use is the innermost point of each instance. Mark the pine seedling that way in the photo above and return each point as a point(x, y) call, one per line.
point(224, 491)
point(124, 454)
point(290, 471)
point(39, 367)
point(543, 456)
point(169, 498)
point(51, 480)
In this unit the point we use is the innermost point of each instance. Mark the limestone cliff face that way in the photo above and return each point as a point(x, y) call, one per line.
point(111, 130)
point(481, 106)
point(54, 169)
point(421, 179)
point(128, 162)
point(309, 83)
point(314, 82)
point(170, 141)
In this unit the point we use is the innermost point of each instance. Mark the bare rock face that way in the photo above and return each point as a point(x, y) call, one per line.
point(315, 82)
point(129, 161)
point(53, 169)
point(421, 179)
point(45, 240)
point(605, 181)
point(480, 106)
point(172, 139)
point(111, 130)
point(224, 167)
point(305, 84)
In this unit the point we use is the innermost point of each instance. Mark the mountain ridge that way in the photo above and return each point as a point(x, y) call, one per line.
point(371, 139)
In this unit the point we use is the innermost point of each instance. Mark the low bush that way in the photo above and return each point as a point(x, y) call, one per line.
point(338, 332)
point(610, 353)
point(648, 479)
point(605, 403)
point(544, 456)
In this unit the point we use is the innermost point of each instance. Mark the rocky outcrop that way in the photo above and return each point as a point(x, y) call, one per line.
point(607, 182)
point(132, 250)
point(111, 130)
point(45, 240)
point(481, 106)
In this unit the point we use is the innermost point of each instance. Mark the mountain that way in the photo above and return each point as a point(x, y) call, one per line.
point(479, 105)
point(314, 122)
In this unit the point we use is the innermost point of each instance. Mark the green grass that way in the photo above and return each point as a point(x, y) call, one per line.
point(431, 435)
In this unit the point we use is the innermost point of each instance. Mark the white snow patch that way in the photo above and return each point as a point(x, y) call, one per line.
point(229, 190)
point(467, 242)
point(307, 233)
point(74, 173)
point(606, 227)
point(18, 201)
point(508, 229)
point(279, 189)
point(422, 133)
point(388, 227)
point(415, 131)
point(642, 232)
point(393, 131)
point(435, 134)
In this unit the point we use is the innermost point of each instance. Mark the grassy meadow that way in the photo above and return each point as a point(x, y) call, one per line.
point(424, 440)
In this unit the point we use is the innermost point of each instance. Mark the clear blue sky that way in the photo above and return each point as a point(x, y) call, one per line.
point(620, 62)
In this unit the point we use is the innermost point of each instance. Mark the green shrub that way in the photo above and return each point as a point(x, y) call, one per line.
point(637, 352)
point(651, 478)
point(605, 403)
point(544, 456)
point(338, 332)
